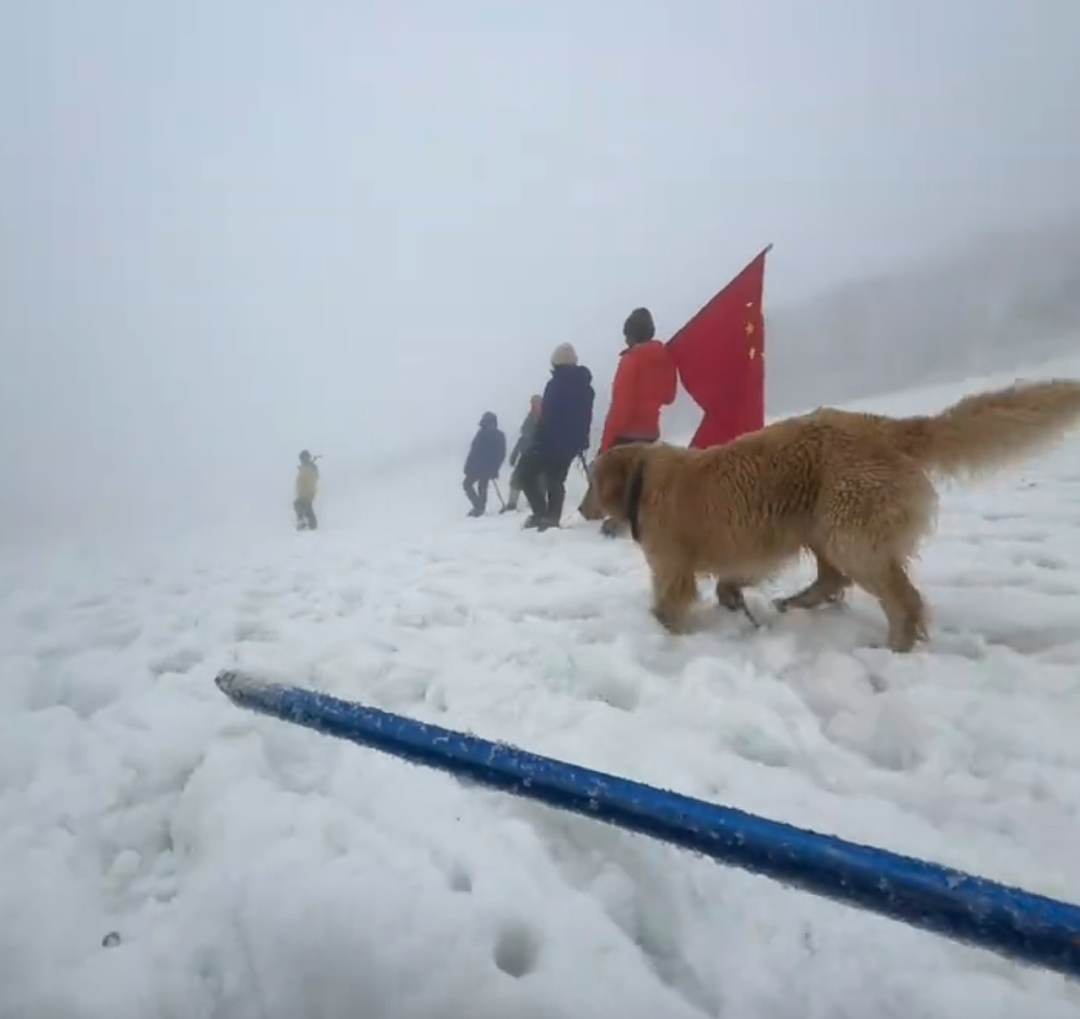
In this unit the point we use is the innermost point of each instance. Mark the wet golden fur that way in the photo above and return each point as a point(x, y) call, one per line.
point(853, 489)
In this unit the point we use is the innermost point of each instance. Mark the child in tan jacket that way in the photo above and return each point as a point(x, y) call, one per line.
point(307, 485)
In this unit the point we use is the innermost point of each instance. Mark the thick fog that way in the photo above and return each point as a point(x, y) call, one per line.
point(233, 229)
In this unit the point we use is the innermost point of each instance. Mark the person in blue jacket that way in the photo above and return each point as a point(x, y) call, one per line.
point(485, 460)
point(562, 435)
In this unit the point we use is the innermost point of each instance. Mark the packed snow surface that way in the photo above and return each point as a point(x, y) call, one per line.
point(165, 854)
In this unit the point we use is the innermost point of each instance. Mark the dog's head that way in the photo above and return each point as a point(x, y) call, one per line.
point(590, 507)
point(615, 484)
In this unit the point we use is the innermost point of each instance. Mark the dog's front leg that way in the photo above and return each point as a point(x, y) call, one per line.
point(674, 592)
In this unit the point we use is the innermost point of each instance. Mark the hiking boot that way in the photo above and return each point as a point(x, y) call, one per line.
point(548, 523)
point(531, 521)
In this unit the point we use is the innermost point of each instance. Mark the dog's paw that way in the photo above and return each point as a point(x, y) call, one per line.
point(669, 622)
point(610, 528)
point(730, 597)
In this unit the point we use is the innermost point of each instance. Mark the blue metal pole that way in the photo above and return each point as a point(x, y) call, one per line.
point(1013, 923)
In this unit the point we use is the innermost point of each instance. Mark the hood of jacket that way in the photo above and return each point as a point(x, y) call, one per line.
point(577, 374)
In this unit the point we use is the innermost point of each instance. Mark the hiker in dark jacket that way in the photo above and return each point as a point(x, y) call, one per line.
point(562, 435)
point(485, 460)
point(524, 443)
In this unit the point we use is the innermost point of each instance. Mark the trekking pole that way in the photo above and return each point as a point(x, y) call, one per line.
point(502, 501)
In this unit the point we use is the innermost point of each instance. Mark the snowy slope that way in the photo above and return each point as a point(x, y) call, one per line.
point(255, 871)
point(998, 301)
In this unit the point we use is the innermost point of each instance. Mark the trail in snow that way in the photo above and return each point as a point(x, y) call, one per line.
point(256, 871)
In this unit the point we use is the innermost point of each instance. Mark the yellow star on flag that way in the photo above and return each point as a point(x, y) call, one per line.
point(749, 328)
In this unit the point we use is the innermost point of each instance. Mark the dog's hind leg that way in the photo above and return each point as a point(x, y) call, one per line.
point(874, 524)
point(828, 586)
point(674, 592)
point(886, 579)
point(729, 593)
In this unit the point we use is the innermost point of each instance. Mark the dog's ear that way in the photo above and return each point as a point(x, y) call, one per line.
point(633, 489)
point(590, 507)
point(607, 482)
point(610, 484)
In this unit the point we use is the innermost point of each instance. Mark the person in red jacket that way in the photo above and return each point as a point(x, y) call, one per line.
point(645, 382)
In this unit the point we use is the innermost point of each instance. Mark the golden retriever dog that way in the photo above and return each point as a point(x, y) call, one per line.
point(853, 489)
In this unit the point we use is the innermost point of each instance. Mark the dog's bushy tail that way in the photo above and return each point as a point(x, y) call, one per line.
point(986, 431)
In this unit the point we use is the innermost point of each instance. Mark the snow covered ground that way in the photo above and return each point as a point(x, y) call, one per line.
point(252, 870)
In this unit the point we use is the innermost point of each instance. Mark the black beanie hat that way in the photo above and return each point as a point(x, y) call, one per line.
point(639, 326)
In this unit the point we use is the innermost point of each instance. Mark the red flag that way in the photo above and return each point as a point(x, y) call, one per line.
point(719, 355)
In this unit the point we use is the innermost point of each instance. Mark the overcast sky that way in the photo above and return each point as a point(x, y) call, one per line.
point(233, 228)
